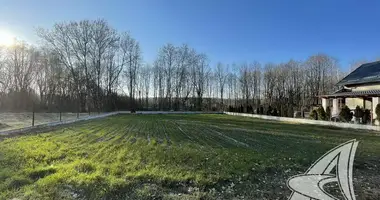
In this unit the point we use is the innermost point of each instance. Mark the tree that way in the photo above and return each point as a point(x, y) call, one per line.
point(321, 113)
point(85, 65)
point(321, 75)
point(245, 84)
point(377, 111)
point(222, 77)
point(114, 65)
point(345, 114)
point(146, 79)
point(358, 114)
point(328, 113)
point(201, 74)
point(132, 56)
point(261, 110)
point(167, 60)
point(104, 39)
point(366, 116)
point(313, 115)
point(269, 110)
point(275, 112)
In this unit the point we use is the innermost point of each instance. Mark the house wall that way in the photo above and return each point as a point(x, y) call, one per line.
point(366, 87)
point(353, 102)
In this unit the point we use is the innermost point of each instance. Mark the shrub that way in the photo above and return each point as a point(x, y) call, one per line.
point(313, 115)
point(274, 113)
point(328, 113)
point(377, 111)
point(321, 113)
point(345, 114)
point(358, 113)
point(297, 114)
point(269, 110)
point(366, 116)
point(249, 109)
point(261, 110)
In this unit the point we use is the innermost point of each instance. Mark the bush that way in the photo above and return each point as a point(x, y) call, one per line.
point(261, 110)
point(297, 114)
point(241, 109)
point(358, 113)
point(345, 114)
point(313, 115)
point(366, 116)
point(328, 113)
point(274, 113)
point(269, 110)
point(321, 113)
point(377, 111)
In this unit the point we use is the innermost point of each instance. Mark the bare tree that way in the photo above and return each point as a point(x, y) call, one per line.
point(86, 64)
point(221, 74)
point(131, 50)
point(146, 82)
point(104, 39)
point(245, 84)
point(200, 72)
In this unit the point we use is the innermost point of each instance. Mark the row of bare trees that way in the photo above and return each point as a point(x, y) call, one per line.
point(183, 79)
point(80, 67)
point(88, 66)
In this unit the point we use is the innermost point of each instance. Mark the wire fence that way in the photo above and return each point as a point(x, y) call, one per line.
point(17, 120)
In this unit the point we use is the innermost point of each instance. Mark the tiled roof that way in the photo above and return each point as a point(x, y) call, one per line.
point(349, 93)
point(366, 73)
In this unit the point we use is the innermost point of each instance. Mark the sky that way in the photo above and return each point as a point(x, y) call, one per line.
point(233, 31)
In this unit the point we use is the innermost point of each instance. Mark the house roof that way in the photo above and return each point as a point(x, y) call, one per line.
point(349, 93)
point(366, 73)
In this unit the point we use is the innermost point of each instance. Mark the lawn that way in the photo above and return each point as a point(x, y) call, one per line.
point(176, 157)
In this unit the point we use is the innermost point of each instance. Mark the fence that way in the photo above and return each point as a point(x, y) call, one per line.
point(55, 123)
point(308, 121)
point(73, 118)
point(23, 122)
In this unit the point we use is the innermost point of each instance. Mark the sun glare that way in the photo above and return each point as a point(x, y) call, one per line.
point(6, 38)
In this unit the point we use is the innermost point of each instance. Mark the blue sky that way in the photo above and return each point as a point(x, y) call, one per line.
point(227, 31)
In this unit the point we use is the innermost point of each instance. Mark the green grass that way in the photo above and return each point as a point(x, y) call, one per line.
point(175, 157)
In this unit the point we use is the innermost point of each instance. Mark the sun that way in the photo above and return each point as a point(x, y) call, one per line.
point(6, 38)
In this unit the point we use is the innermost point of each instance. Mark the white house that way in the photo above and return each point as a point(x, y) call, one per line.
point(359, 88)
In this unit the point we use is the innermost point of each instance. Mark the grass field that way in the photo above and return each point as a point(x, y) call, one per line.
point(175, 157)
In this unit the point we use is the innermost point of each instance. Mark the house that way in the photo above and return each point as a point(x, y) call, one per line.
point(359, 88)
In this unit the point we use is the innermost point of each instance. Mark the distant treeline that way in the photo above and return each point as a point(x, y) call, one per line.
point(88, 66)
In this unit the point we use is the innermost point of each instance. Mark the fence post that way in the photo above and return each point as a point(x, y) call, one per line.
point(59, 108)
point(33, 115)
point(78, 108)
